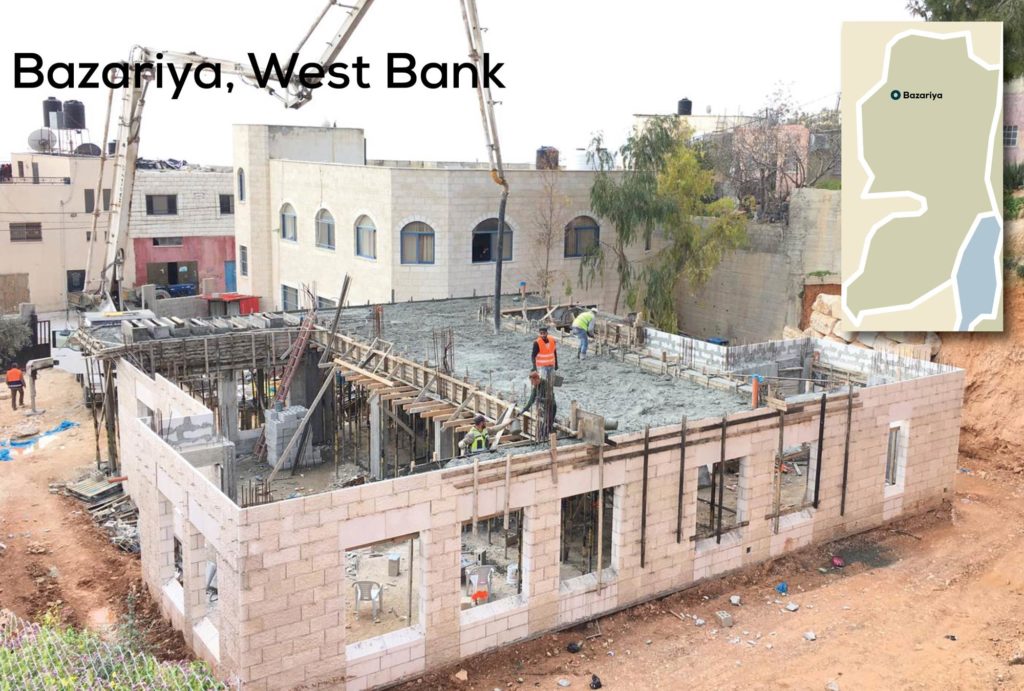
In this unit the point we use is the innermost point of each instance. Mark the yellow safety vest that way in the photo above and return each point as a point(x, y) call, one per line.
point(583, 321)
point(478, 439)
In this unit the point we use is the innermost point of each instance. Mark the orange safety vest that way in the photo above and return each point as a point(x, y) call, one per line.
point(545, 352)
point(14, 376)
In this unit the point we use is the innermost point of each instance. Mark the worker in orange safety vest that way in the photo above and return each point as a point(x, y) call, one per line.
point(545, 354)
point(16, 383)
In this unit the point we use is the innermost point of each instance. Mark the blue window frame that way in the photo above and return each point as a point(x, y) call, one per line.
point(417, 239)
point(582, 235)
point(289, 224)
point(366, 238)
point(325, 229)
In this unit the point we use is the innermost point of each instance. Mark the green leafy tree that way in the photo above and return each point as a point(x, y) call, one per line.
point(14, 335)
point(665, 185)
point(1010, 12)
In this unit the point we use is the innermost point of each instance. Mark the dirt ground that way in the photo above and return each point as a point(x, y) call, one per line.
point(371, 564)
point(56, 559)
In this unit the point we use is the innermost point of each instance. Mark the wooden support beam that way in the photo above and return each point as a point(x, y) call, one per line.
point(394, 418)
point(369, 375)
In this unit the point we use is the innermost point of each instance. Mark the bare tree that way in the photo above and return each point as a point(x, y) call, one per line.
point(549, 217)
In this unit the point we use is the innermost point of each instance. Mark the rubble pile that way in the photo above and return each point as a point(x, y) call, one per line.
point(826, 323)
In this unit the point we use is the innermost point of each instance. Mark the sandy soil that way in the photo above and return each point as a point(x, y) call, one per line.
point(77, 573)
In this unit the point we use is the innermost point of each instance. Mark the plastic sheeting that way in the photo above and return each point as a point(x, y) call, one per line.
point(6, 447)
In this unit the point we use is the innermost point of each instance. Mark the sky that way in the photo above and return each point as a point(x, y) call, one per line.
point(572, 68)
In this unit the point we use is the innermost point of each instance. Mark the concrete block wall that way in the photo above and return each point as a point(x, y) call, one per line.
point(287, 617)
point(280, 428)
point(198, 203)
point(695, 352)
point(178, 501)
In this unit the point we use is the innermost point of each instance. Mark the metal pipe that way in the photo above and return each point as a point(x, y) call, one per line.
point(821, 446)
point(846, 450)
point(643, 499)
point(721, 484)
point(682, 473)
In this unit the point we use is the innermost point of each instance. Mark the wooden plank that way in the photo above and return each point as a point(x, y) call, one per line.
point(366, 373)
point(439, 412)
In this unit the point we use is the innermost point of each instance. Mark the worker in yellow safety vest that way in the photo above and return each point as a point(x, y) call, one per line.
point(583, 329)
point(545, 354)
point(476, 439)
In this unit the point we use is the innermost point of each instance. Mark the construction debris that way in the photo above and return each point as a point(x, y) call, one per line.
point(120, 518)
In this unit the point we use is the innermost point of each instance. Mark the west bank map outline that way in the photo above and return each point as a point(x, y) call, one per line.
point(975, 271)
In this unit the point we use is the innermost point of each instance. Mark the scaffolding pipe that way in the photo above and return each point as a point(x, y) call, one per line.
point(643, 499)
point(721, 485)
point(821, 446)
point(846, 449)
point(682, 473)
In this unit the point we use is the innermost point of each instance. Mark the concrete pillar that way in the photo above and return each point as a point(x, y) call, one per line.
point(148, 296)
point(227, 405)
point(305, 386)
point(444, 444)
point(207, 286)
point(376, 433)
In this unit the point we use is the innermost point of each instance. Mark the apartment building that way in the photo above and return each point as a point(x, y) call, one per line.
point(311, 208)
point(181, 227)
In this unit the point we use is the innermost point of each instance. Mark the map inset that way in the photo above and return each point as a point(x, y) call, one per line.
point(922, 197)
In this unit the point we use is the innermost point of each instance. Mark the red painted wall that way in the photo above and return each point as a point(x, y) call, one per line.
point(209, 253)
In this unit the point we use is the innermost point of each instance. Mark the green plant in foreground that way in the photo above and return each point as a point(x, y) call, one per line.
point(48, 655)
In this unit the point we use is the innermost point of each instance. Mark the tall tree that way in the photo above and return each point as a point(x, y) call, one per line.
point(14, 335)
point(664, 186)
point(548, 230)
point(1009, 12)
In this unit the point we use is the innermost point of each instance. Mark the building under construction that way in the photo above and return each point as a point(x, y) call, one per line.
point(305, 517)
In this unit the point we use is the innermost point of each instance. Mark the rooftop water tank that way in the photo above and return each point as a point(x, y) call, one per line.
point(684, 107)
point(547, 158)
point(74, 115)
point(52, 112)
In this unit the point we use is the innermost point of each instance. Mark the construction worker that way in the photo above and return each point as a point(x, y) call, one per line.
point(477, 439)
point(541, 394)
point(583, 328)
point(16, 383)
point(545, 354)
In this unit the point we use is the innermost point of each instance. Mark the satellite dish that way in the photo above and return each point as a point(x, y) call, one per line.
point(88, 149)
point(42, 140)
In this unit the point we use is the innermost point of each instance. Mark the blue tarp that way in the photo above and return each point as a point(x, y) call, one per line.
point(6, 446)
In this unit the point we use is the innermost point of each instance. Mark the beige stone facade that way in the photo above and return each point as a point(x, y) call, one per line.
point(281, 617)
point(323, 169)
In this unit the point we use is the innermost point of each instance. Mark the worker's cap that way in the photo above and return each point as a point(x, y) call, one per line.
point(594, 310)
point(543, 329)
point(478, 419)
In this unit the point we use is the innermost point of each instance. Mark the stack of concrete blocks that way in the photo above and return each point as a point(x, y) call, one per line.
point(280, 428)
point(826, 322)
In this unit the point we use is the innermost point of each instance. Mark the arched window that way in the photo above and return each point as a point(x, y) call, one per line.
point(417, 243)
point(325, 229)
point(366, 238)
point(485, 242)
point(241, 185)
point(288, 224)
point(581, 236)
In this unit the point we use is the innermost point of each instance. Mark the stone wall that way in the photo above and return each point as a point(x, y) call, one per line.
point(756, 291)
point(282, 615)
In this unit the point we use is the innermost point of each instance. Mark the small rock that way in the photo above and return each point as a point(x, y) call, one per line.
point(648, 641)
point(1017, 660)
point(734, 600)
point(519, 680)
point(792, 607)
point(574, 647)
point(564, 682)
point(461, 675)
point(950, 637)
point(832, 686)
point(810, 636)
point(595, 681)
point(699, 622)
